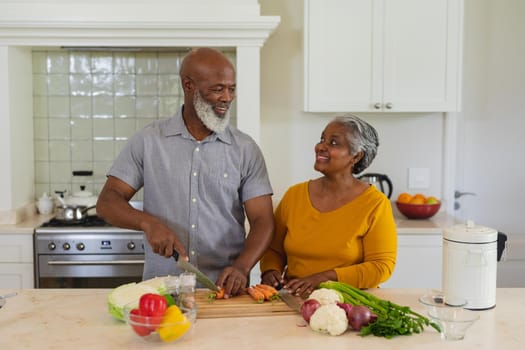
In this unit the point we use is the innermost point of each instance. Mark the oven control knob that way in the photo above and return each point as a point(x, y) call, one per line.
point(66, 246)
point(131, 245)
point(52, 246)
point(81, 246)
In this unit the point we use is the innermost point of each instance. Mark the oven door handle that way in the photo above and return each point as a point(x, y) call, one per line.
point(97, 262)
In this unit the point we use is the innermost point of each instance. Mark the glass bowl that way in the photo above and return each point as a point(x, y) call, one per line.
point(454, 322)
point(438, 304)
point(175, 325)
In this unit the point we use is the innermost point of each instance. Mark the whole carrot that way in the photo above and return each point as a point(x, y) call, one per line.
point(256, 294)
point(269, 292)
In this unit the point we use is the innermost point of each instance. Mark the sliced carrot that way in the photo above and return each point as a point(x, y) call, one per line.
point(217, 295)
point(256, 294)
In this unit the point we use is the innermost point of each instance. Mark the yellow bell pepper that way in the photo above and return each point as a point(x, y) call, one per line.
point(174, 324)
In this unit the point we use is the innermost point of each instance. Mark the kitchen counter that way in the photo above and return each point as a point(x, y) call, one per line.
point(25, 227)
point(78, 318)
point(433, 225)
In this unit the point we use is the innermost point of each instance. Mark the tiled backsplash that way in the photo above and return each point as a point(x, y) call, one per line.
point(88, 103)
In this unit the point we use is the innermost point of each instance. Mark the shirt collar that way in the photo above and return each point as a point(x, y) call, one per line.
point(175, 126)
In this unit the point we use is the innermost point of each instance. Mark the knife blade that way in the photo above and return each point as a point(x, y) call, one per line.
point(291, 300)
point(201, 277)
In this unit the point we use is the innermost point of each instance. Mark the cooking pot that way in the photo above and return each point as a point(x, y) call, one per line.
point(82, 197)
point(72, 213)
point(75, 208)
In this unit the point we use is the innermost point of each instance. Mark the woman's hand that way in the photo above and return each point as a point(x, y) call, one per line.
point(272, 278)
point(303, 287)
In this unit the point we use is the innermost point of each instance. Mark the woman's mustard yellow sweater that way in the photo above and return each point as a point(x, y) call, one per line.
point(358, 240)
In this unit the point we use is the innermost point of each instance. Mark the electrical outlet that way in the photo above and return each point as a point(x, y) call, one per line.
point(418, 178)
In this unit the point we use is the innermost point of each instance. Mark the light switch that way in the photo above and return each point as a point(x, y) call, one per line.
point(418, 178)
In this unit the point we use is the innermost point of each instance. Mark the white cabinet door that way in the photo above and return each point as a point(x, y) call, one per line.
point(421, 55)
point(419, 262)
point(340, 69)
point(16, 276)
point(383, 55)
point(16, 261)
point(16, 248)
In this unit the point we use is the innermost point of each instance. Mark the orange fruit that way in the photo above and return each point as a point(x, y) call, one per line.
point(417, 200)
point(404, 197)
point(421, 196)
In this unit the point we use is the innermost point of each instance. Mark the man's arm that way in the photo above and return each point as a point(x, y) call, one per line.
point(259, 211)
point(260, 216)
point(113, 206)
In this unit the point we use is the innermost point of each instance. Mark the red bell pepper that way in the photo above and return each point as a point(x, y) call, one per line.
point(152, 305)
point(135, 316)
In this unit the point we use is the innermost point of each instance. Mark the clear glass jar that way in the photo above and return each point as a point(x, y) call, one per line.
point(186, 297)
point(173, 287)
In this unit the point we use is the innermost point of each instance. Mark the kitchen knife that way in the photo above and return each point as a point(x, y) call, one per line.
point(291, 300)
point(202, 278)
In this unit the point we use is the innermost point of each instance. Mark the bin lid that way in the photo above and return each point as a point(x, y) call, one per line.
point(470, 233)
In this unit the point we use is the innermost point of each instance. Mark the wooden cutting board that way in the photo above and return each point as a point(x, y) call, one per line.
point(238, 306)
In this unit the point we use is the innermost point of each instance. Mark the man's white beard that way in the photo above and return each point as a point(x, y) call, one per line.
point(207, 115)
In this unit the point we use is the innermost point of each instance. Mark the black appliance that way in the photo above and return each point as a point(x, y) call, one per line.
point(380, 181)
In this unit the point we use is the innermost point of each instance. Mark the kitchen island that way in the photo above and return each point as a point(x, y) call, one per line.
point(78, 319)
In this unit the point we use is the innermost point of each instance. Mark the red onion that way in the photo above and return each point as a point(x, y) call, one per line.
point(308, 308)
point(346, 307)
point(360, 316)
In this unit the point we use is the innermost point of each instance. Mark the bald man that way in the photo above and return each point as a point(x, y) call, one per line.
point(201, 177)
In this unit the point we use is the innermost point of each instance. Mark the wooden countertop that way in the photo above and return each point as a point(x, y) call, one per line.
point(78, 319)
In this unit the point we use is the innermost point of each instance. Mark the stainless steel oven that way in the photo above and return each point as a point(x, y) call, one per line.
point(87, 254)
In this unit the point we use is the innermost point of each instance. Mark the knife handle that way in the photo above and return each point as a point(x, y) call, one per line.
point(175, 255)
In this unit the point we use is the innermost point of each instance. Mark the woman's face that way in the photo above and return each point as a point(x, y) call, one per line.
point(332, 153)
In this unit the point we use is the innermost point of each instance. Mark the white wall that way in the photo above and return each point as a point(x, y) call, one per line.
point(288, 135)
point(5, 137)
point(16, 157)
point(492, 123)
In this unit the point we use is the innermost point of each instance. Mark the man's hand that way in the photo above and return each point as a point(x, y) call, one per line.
point(163, 240)
point(232, 280)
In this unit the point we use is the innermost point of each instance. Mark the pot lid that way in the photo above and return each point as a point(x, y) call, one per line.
point(470, 233)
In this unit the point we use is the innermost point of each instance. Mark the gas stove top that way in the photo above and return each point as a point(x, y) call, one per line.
point(88, 221)
point(90, 224)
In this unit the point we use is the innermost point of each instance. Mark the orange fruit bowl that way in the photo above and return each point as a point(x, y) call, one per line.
point(418, 211)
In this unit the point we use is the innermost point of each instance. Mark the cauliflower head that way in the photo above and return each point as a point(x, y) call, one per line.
point(326, 296)
point(329, 319)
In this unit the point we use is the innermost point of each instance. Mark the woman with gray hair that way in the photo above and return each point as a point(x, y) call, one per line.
point(335, 227)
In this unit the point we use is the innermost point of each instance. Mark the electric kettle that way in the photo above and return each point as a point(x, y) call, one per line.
point(380, 181)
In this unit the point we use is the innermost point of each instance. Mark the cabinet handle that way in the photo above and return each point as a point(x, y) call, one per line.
point(377, 105)
point(388, 105)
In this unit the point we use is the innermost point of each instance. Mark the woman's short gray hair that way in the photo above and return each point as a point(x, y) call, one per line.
point(361, 136)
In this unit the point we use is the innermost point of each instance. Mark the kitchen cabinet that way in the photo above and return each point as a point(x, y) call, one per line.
point(16, 261)
point(419, 259)
point(382, 55)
